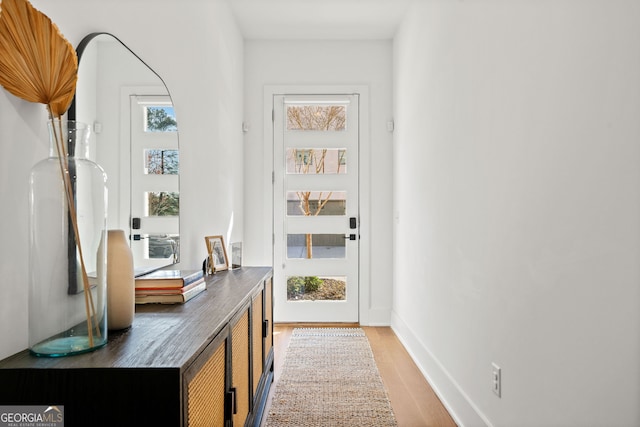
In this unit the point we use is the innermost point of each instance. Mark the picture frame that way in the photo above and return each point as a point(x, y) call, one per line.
point(218, 260)
point(236, 254)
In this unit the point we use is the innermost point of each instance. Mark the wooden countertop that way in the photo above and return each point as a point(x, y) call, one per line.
point(163, 335)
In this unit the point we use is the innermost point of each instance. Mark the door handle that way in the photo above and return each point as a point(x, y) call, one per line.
point(350, 236)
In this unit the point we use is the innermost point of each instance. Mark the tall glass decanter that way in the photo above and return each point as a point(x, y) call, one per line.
point(67, 250)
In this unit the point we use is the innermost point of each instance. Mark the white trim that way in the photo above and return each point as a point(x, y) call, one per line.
point(463, 411)
point(303, 100)
point(154, 99)
point(364, 304)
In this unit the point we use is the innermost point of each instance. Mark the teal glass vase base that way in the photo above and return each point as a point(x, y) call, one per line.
point(65, 346)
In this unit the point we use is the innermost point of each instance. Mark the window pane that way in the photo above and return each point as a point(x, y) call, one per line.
point(317, 246)
point(312, 203)
point(316, 117)
point(316, 161)
point(301, 288)
point(160, 119)
point(161, 162)
point(163, 204)
point(163, 246)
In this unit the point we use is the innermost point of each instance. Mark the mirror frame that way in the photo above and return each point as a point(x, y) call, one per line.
point(72, 114)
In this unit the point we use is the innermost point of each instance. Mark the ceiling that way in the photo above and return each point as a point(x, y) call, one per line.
point(319, 19)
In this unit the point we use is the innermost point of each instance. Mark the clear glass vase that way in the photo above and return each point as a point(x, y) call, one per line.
point(67, 250)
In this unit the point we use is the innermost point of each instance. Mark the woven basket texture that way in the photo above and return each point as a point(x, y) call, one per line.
point(330, 378)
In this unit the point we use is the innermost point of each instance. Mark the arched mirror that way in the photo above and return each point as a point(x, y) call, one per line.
point(135, 140)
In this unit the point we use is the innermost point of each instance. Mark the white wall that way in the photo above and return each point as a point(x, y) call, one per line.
point(517, 164)
point(322, 63)
point(198, 50)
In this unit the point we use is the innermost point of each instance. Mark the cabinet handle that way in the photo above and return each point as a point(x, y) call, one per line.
point(232, 406)
point(265, 328)
point(235, 400)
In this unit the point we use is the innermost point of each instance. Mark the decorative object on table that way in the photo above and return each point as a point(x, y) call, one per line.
point(207, 268)
point(169, 286)
point(67, 271)
point(217, 253)
point(168, 279)
point(180, 297)
point(67, 279)
point(120, 281)
point(236, 254)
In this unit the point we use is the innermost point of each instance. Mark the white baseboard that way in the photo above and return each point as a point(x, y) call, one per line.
point(460, 407)
point(376, 317)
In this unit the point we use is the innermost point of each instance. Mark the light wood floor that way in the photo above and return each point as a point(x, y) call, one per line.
point(413, 401)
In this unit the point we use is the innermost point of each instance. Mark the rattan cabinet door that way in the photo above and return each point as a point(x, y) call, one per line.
point(205, 385)
point(257, 321)
point(240, 362)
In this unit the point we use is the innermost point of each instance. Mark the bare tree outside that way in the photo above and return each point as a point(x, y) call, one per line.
point(316, 117)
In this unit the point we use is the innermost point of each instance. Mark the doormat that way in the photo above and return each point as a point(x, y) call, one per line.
point(330, 378)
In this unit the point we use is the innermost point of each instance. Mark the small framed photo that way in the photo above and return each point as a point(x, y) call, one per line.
point(217, 253)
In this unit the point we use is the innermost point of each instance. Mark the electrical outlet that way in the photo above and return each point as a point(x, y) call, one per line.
point(496, 379)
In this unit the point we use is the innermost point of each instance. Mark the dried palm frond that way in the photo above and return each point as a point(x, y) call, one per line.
point(37, 63)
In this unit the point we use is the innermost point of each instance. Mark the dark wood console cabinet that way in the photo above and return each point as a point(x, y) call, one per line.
point(208, 362)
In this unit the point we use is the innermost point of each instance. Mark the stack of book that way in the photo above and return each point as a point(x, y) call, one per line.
point(169, 286)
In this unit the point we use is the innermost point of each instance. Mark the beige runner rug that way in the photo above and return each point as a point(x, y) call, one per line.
point(330, 378)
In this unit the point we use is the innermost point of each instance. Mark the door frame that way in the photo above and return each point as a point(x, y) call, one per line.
point(364, 261)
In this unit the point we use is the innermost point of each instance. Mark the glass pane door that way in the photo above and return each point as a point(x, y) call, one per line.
point(316, 208)
point(155, 201)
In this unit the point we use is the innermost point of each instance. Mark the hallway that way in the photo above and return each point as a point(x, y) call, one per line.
point(414, 402)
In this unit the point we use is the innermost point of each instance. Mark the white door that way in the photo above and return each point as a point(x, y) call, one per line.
point(316, 221)
point(154, 182)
